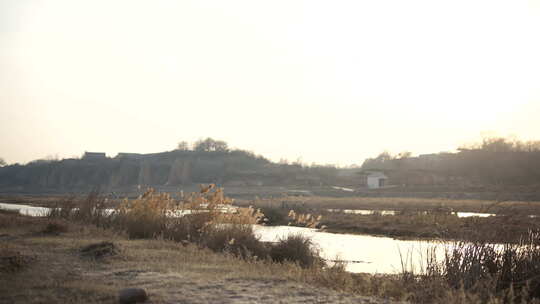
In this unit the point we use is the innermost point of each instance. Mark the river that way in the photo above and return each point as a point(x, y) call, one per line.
point(362, 253)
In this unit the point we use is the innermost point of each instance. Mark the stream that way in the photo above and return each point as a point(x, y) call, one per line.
point(362, 253)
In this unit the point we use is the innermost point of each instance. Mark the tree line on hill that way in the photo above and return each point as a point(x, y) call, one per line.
point(493, 161)
point(205, 161)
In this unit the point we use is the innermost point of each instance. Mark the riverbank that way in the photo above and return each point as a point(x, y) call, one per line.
point(410, 219)
point(407, 204)
point(49, 266)
point(65, 258)
point(433, 226)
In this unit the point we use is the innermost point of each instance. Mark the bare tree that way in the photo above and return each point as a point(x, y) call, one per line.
point(183, 146)
point(404, 154)
point(209, 145)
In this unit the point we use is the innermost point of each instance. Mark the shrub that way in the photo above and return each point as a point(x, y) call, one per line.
point(92, 209)
point(238, 240)
point(275, 215)
point(55, 227)
point(190, 219)
point(99, 250)
point(144, 217)
point(295, 248)
point(304, 220)
point(62, 209)
point(480, 273)
point(186, 228)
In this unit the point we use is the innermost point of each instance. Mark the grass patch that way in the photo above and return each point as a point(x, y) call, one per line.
point(238, 240)
point(206, 219)
point(312, 204)
point(434, 225)
point(296, 248)
point(99, 250)
point(55, 227)
point(12, 260)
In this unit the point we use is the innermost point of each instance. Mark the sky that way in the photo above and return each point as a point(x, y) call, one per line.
point(330, 82)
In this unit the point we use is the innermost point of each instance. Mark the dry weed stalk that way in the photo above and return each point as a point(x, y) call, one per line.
point(304, 220)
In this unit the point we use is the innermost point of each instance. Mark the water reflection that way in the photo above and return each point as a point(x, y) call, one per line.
point(393, 212)
point(365, 253)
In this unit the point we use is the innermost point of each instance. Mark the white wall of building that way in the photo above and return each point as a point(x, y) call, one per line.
point(374, 180)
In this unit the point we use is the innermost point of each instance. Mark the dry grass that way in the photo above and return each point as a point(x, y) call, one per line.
point(55, 227)
point(170, 272)
point(480, 273)
point(433, 225)
point(12, 260)
point(57, 272)
point(206, 219)
point(296, 249)
point(174, 272)
point(238, 240)
point(315, 203)
point(414, 219)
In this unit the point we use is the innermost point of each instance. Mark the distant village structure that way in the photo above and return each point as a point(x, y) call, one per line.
point(477, 172)
point(94, 156)
point(374, 179)
point(129, 155)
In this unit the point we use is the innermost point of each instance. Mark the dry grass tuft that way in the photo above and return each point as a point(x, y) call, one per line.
point(99, 250)
point(12, 260)
point(296, 248)
point(238, 240)
point(55, 227)
point(304, 220)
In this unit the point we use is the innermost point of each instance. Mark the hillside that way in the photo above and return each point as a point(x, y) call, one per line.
point(172, 169)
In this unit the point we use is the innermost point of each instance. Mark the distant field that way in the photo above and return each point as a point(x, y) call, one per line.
point(277, 197)
point(397, 203)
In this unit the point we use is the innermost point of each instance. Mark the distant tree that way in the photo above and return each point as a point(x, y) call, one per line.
point(183, 146)
point(497, 144)
point(404, 154)
point(210, 145)
point(531, 146)
point(2, 162)
point(384, 156)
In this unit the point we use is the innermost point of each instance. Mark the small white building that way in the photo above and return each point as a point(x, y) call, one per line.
point(376, 180)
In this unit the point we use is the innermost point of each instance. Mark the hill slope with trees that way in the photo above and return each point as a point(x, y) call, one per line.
point(207, 161)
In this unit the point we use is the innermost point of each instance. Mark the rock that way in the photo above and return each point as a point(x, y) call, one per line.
point(132, 295)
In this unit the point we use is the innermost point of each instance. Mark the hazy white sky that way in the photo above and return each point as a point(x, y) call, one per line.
point(330, 81)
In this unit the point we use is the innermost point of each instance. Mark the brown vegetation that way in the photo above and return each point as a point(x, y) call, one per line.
point(206, 218)
point(413, 217)
point(315, 203)
point(433, 225)
point(480, 272)
point(474, 273)
point(171, 272)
